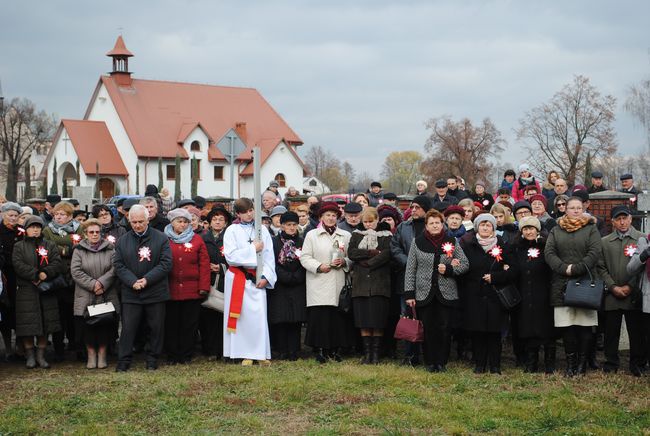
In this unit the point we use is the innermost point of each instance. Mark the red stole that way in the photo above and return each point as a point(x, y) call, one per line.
point(236, 296)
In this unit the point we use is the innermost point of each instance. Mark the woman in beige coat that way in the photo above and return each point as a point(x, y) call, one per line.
point(95, 282)
point(324, 256)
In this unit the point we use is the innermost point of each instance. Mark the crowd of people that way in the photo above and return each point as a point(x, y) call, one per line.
point(139, 279)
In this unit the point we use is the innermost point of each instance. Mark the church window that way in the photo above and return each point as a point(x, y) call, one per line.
point(171, 172)
point(282, 181)
point(195, 146)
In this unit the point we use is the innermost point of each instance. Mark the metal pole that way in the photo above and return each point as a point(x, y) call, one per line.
point(257, 201)
point(231, 159)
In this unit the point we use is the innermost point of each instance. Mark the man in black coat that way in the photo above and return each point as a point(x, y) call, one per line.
point(442, 194)
point(156, 220)
point(454, 189)
point(596, 183)
point(142, 261)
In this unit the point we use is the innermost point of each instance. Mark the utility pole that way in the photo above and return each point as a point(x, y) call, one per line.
point(257, 202)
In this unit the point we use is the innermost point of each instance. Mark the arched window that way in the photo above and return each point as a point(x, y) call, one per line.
point(282, 181)
point(313, 182)
point(195, 146)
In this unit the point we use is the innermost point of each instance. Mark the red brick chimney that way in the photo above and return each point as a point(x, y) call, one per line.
point(240, 129)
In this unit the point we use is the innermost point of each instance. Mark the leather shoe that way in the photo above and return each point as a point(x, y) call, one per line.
point(121, 367)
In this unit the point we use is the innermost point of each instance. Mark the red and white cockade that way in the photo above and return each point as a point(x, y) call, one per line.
point(533, 253)
point(448, 249)
point(21, 231)
point(188, 247)
point(630, 250)
point(486, 202)
point(144, 253)
point(298, 252)
point(496, 253)
point(42, 253)
point(111, 239)
point(76, 238)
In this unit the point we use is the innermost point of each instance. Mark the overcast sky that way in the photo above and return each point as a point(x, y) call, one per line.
point(357, 77)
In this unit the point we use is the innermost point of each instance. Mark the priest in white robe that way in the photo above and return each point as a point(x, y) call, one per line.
point(246, 331)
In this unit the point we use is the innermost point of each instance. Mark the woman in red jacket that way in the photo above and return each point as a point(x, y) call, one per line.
point(189, 283)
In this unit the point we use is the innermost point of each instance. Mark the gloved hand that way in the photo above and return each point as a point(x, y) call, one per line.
point(645, 254)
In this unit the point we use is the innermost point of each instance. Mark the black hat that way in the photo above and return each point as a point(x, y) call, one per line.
point(440, 183)
point(76, 213)
point(73, 201)
point(582, 195)
point(377, 184)
point(352, 207)
point(34, 220)
point(53, 199)
point(186, 202)
point(626, 176)
point(596, 175)
point(289, 217)
point(150, 191)
point(199, 201)
point(219, 210)
point(126, 205)
point(390, 196)
point(521, 205)
point(620, 210)
point(423, 201)
point(510, 172)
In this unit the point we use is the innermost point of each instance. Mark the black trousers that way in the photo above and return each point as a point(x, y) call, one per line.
point(285, 337)
point(645, 339)
point(486, 348)
point(211, 331)
point(181, 325)
point(437, 320)
point(154, 313)
point(633, 322)
point(577, 339)
point(66, 316)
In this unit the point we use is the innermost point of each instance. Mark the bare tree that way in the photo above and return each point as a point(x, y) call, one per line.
point(327, 167)
point(22, 128)
point(575, 121)
point(401, 170)
point(460, 148)
point(638, 104)
point(348, 173)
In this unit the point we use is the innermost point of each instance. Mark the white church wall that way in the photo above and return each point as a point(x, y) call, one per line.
point(280, 161)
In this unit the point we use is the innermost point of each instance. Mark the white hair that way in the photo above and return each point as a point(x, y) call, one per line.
point(138, 208)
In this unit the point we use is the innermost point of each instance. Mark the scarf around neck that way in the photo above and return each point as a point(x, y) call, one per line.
point(435, 240)
point(571, 225)
point(486, 243)
point(329, 229)
point(64, 229)
point(460, 231)
point(288, 251)
point(184, 237)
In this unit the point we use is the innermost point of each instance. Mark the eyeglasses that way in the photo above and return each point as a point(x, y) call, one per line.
point(103, 215)
point(561, 204)
point(93, 232)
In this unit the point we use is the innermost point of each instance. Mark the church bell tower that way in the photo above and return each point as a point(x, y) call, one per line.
point(121, 55)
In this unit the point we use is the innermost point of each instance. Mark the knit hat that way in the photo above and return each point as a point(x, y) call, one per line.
point(485, 217)
point(329, 206)
point(386, 210)
point(34, 220)
point(539, 197)
point(179, 213)
point(530, 221)
point(10, 205)
point(421, 182)
point(289, 217)
point(278, 210)
point(423, 201)
point(377, 184)
point(582, 195)
point(454, 209)
point(524, 167)
point(194, 211)
point(520, 205)
point(480, 182)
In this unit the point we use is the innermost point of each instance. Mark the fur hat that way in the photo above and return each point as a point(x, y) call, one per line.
point(329, 206)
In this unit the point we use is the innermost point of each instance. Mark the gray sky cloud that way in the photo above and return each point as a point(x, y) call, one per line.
point(359, 78)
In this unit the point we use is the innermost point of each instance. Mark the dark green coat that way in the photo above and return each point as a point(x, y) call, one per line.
point(370, 274)
point(37, 314)
point(66, 246)
point(579, 248)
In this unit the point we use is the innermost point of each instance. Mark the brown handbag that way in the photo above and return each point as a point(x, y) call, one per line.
point(410, 330)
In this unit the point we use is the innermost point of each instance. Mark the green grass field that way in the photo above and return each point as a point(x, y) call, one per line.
point(304, 397)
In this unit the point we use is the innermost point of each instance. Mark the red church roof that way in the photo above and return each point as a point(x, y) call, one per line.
point(93, 144)
point(119, 49)
point(157, 114)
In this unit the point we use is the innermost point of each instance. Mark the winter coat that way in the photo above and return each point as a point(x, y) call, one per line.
point(89, 266)
point(486, 200)
point(323, 289)
point(458, 193)
point(8, 239)
point(371, 273)
point(638, 268)
point(131, 264)
point(159, 222)
point(215, 251)
point(113, 229)
point(519, 186)
point(579, 248)
point(423, 282)
point(508, 232)
point(287, 302)
point(400, 245)
point(534, 315)
point(375, 200)
point(190, 270)
point(612, 268)
point(482, 308)
point(37, 314)
point(66, 244)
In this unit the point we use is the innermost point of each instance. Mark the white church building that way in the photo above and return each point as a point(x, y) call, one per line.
point(131, 123)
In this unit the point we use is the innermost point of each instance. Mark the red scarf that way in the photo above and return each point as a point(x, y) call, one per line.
point(436, 240)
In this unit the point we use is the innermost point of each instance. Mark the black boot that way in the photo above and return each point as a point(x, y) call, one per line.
point(583, 363)
point(367, 349)
point(532, 359)
point(571, 365)
point(549, 359)
point(375, 348)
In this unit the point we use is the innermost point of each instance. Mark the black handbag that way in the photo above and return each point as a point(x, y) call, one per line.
point(48, 286)
point(102, 314)
point(508, 295)
point(585, 292)
point(345, 297)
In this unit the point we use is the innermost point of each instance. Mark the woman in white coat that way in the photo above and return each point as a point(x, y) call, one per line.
point(324, 256)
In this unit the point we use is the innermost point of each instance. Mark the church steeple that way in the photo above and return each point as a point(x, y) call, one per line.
point(120, 55)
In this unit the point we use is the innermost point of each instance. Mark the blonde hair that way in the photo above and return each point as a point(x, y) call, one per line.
point(466, 202)
point(303, 208)
point(369, 212)
point(90, 222)
point(64, 207)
